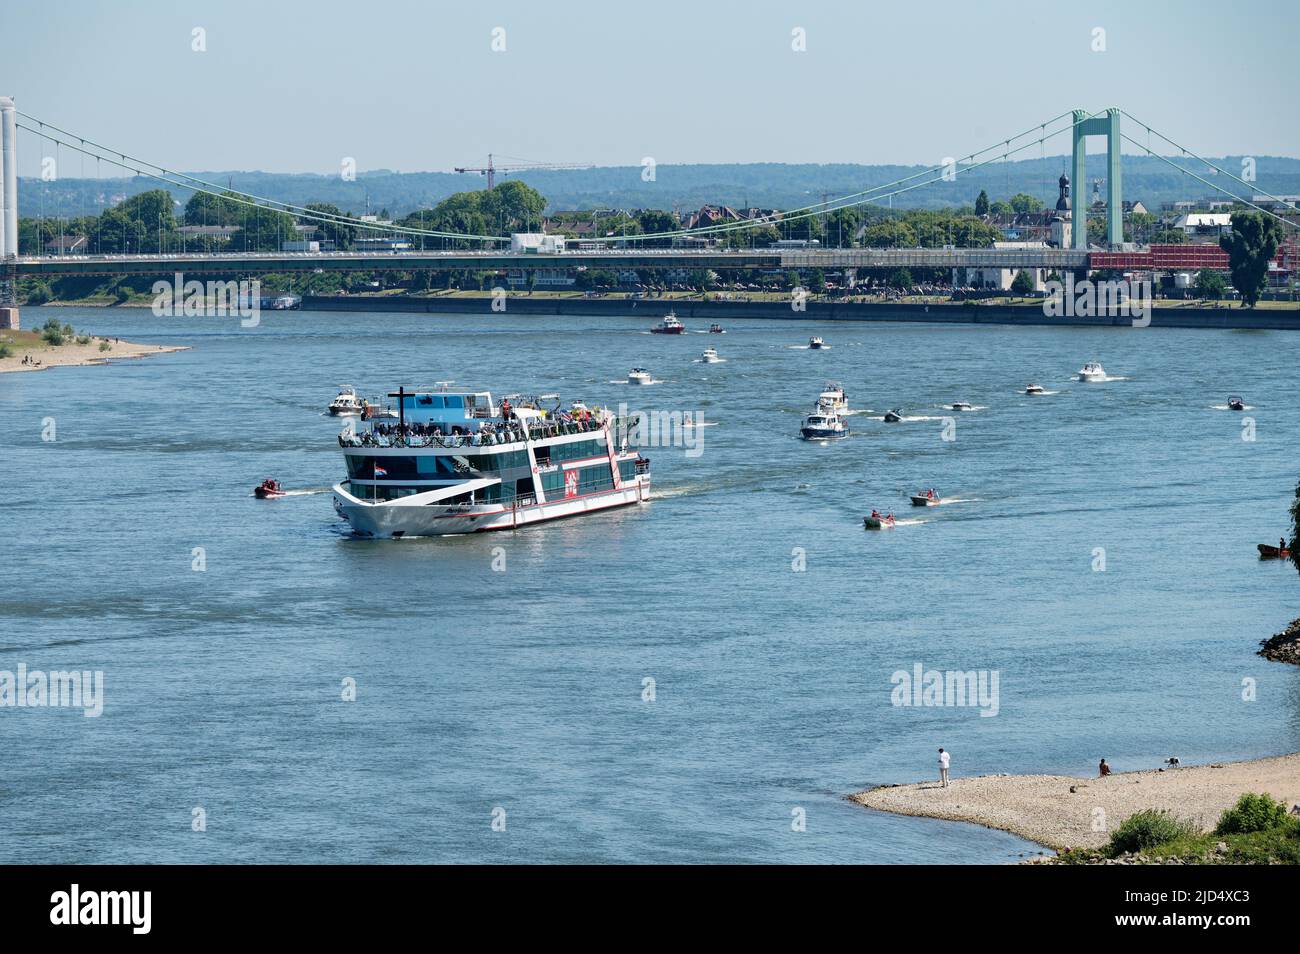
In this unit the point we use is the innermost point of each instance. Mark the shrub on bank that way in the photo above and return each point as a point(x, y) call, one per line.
point(1147, 829)
point(1252, 813)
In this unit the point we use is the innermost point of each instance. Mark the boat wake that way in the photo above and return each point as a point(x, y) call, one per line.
point(1224, 407)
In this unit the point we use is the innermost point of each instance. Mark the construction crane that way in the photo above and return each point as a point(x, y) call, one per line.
point(491, 169)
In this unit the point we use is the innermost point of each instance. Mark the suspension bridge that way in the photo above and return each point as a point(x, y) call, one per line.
point(613, 251)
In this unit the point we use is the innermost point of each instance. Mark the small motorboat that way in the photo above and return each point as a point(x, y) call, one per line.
point(1279, 552)
point(815, 343)
point(710, 356)
point(1092, 372)
point(962, 406)
point(823, 424)
point(926, 498)
point(267, 489)
point(347, 403)
point(874, 521)
point(1034, 389)
point(639, 376)
point(833, 397)
point(669, 326)
point(716, 329)
point(894, 416)
point(1235, 403)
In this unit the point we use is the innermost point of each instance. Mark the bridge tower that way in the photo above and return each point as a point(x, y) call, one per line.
point(1108, 126)
point(8, 211)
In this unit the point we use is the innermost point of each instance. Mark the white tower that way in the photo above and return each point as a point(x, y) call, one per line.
point(8, 178)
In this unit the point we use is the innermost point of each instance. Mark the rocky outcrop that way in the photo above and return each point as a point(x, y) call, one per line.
point(1285, 646)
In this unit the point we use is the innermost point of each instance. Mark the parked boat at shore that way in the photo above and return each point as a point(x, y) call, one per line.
point(457, 462)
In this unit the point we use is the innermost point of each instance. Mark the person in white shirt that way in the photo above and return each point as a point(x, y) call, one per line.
point(944, 760)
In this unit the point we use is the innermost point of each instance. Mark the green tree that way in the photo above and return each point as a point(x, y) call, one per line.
point(263, 230)
point(1022, 284)
point(204, 208)
point(817, 281)
point(1023, 202)
point(982, 203)
point(656, 220)
point(1250, 247)
point(901, 279)
point(891, 233)
point(154, 212)
point(1210, 284)
point(328, 228)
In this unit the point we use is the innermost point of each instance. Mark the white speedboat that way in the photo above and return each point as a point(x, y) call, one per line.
point(962, 406)
point(669, 326)
point(347, 403)
point(459, 462)
point(815, 343)
point(1034, 389)
point(823, 424)
point(639, 376)
point(710, 356)
point(877, 521)
point(833, 397)
point(1092, 372)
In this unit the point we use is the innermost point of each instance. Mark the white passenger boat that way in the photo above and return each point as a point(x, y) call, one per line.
point(1092, 372)
point(456, 462)
point(833, 397)
point(815, 343)
point(669, 326)
point(639, 376)
point(823, 424)
point(710, 356)
point(347, 403)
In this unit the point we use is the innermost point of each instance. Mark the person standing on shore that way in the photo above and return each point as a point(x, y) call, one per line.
point(944, 761)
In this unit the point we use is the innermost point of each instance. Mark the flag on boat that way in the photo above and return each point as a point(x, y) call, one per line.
point(380, 472)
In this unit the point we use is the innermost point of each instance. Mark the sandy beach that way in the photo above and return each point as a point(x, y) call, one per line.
point(71, 354)
point(1042, 808)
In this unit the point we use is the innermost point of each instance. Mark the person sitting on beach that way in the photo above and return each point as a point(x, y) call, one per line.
point(1103, 769)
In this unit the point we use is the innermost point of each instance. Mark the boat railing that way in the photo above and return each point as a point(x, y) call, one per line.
point(479, 438)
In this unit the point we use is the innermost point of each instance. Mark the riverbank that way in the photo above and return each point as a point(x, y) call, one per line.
point(41, 355)
point(1059, 810)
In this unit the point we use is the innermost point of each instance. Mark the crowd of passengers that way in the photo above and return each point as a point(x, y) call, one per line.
point(491, 432)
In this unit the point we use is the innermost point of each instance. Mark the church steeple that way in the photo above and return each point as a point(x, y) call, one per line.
point(1063, 201)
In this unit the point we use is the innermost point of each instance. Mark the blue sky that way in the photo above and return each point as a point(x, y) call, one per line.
point(290, 86)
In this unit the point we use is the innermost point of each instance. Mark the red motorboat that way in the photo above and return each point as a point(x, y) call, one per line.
point(1273, 553)
point(268, 488)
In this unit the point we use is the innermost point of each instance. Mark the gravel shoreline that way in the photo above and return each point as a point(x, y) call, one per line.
point(1062, 811)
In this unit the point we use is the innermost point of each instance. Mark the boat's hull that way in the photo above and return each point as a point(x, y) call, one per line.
point(1267, 552)
point(1092, 378)
point(921, 500)
point(395, 521)
point(875, 523)
point(261, 493)
point(821, 434)
point(345, 411)
point(667, 331)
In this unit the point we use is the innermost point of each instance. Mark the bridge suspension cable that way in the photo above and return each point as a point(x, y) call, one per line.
point(143, 167)
point(1187, 152)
